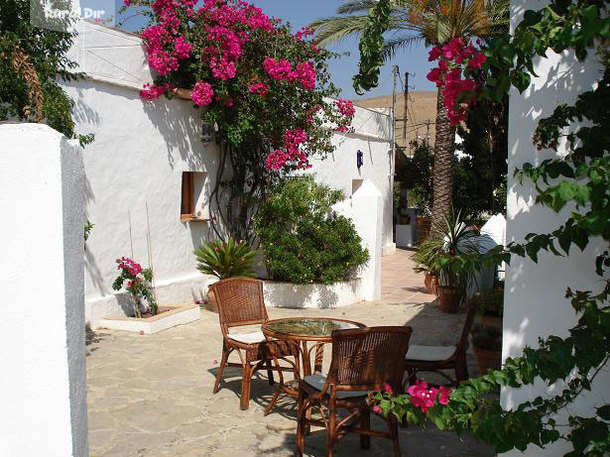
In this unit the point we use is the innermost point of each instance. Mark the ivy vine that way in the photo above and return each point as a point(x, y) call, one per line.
point(579, 180)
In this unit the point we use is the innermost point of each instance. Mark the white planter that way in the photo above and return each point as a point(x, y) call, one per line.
point(177, 316)
point(289, 295)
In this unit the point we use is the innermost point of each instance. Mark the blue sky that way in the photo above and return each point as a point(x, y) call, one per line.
point(302, 12)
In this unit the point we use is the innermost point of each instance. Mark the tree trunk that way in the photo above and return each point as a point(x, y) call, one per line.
point(442, 174)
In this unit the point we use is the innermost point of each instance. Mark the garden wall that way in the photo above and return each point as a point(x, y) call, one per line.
point(137, 160)
point(287, 295)
point(535, 303)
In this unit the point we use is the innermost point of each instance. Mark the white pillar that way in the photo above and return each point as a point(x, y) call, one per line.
point(367, 211)
point(43, 410)
point(534, 295)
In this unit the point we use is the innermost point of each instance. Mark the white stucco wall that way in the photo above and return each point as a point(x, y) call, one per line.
point(137, 159)
point(372, 136)
point(138, 156)
point(535, 305)
point(42, 330)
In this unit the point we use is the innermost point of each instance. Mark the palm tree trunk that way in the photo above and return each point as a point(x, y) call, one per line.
point(442, 173)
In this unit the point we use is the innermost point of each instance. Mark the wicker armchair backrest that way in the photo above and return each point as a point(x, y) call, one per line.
point(363, 359)
point(240, 302)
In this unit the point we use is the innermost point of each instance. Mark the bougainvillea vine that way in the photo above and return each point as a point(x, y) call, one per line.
point(457, 60)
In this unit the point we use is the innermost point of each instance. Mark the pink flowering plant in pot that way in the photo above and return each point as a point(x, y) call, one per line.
point(138, 282)
point(419, 404)
point(264, 88)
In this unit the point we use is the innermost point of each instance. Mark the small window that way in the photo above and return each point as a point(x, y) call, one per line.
point(192, 205)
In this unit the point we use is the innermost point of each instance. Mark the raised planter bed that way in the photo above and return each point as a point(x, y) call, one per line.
point(289, 295)
point(176, 315)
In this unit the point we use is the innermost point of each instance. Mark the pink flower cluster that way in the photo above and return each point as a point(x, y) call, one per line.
point(258, 88)
point(455, 59)
point(153, 92)
point(202, 94)
point(423, 397)
point(222, 68)
point(291, 156)
point(347, 111)
point(281, 70)
point(125, 263)
point(165, 46)
point(346, 107)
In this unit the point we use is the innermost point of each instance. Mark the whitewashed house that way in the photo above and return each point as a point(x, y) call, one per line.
point(142, 151)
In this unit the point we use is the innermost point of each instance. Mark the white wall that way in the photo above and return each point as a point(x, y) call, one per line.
point(535, 305)
point(338, 170)
point(141, 149)
point(137, 159)
point(42, 330)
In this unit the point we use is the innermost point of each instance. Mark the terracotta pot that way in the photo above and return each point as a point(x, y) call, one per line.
point(449, 299)
point(487, 359)
point(211, 305)
point(431, 283)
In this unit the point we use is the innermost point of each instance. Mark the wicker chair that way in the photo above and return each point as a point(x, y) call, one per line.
point(240, 303)
point(362, 359)
point(437, 358)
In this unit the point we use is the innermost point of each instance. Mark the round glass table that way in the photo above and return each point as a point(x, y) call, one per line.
point(299, 332)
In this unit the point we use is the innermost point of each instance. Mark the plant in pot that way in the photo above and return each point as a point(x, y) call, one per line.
point(455, 259)
point(490, 306)
point(487, 347)
point(224, 260)
point(426, 262)
point(138, 282)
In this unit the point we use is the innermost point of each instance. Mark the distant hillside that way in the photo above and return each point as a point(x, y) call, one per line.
point(421, 108)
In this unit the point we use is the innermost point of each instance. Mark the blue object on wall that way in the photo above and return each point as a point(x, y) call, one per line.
point(359, 159)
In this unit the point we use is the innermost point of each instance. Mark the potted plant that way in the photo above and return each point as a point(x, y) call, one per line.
point(137, 281)
point(224, 260)
point(426, 262)
point(490, 306)
point(487, 347)
point(452, 255)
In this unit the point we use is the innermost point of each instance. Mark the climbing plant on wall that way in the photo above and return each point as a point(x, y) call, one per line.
point(578, 181)
point(264, 88)
point(32, 59)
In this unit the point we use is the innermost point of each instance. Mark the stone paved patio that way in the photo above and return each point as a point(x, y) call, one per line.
point(151, 395)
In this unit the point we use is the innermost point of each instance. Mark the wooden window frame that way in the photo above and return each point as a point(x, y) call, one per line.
point(187, 203)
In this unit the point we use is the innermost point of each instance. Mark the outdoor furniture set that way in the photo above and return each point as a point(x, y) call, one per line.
point(363, 358)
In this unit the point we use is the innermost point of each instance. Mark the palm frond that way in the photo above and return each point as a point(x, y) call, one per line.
point(397, 42)
point(336, 28)
point(356, 6)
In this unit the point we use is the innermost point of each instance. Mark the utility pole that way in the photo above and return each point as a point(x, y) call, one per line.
point(395, 76)
point(404, 117)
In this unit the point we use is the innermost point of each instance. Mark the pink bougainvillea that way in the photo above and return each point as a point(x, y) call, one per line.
point(153, 92)
point(258, 80)
point(259, 88)
point(182, 48)
point(457, 59)
point(202, 93)
point(424, 397)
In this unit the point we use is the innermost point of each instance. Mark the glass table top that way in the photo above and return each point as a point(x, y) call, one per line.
point(308, 327)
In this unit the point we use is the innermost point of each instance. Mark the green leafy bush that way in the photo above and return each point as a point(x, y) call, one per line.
point(225, 260)
point(303, 239)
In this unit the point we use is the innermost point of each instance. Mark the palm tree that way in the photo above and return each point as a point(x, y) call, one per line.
point(434, 22)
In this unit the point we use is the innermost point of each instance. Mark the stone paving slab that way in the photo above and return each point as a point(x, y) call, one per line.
point(151, 395)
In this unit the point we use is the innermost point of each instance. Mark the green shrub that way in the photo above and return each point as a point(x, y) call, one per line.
point(303, 239)
point(225, 260)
